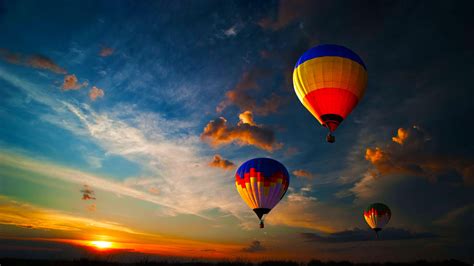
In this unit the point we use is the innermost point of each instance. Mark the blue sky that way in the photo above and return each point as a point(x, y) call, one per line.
point(163, 70)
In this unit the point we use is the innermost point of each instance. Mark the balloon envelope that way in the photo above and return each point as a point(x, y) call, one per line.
point(377, 216)
point(262, 182)
point(330, 80)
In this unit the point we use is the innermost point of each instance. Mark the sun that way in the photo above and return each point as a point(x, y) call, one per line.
point(101, 244)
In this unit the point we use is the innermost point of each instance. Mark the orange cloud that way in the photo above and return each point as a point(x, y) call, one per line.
point(302, 173)
point(220, 162)
point(414, 157)
point(154, 190)
point(218, 133)
point(42, 62)
point(35, 61)
point(402, 135)
point(95, 93)
point(92, 207)
point(246, 118)
point(28, 216)
point(106, 51)
point(81, 231)
point(71, 83)
point(241, 97)
point(374, 155)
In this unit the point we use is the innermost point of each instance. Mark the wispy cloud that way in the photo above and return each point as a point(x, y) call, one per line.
point(241, 95)
point(29, 216)
point(78, 230)
point(356, 235)
point(161, 147)
point(288, 12)
point(302, 173)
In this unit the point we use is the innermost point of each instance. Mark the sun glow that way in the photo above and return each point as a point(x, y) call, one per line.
point(101, 244)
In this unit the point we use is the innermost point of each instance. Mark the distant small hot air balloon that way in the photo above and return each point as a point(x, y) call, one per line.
point(330, 80)
point(262, 183)
point(377, 216)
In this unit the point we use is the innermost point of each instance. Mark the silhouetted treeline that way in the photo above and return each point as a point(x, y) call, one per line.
point(88, 262)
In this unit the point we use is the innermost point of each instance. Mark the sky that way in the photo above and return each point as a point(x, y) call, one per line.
point(125, 121)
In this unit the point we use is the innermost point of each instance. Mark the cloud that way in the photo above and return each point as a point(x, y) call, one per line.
point(35, 61)
point(302, 173)
point(157, 145)
point(402, 135)
point(29, 216)
point(410, 153)
point(232, 31)
point(293, 211)
point(71, 83)
point(456, 216)
point(255, 246)
point(74, 227)
point(288, 12)
point(218, 133)
point(42, 62)
point(91, 207)
point(220, 162)
point(356, 235)
point(106, 51)
point(95, 93)
point(246, 118)
point(154, 190)
point(241, 97)
point(87, 193)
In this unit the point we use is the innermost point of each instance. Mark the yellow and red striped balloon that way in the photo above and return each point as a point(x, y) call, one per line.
point(330, 80)
point(262, 183)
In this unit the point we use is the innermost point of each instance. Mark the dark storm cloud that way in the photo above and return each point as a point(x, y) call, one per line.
point(255, 246)
point(35, 61)
point(357, 234)
point(411, 152)
point(246, 132)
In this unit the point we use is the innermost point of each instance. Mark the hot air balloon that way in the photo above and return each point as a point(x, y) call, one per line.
point(262, 183)
point(330, 80)
point(377, 216)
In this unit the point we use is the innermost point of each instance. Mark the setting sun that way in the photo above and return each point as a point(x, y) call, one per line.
point(101, 244)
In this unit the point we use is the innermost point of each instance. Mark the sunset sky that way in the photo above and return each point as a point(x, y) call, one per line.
point(105, 147)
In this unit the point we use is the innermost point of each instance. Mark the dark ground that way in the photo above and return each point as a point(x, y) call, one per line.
point(86, 262)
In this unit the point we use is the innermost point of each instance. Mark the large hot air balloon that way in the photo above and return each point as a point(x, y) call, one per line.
point(377, 216)
point(262, 183)
point(330, 80)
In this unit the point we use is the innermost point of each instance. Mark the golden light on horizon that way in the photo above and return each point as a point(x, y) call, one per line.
point(101, 244)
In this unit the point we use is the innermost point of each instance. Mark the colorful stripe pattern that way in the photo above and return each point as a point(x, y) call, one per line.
point(262, 182)
point(330, 80)
point(377, 216)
